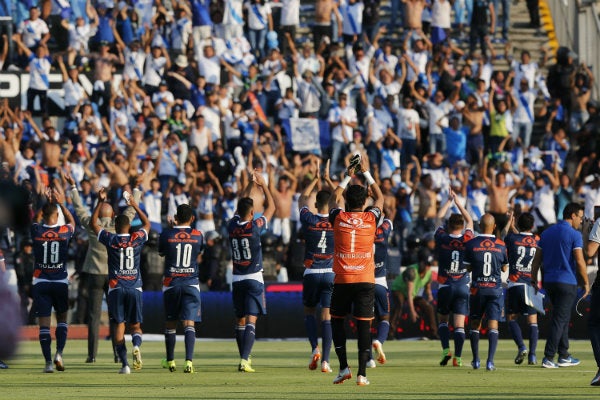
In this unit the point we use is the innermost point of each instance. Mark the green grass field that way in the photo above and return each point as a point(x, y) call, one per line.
point(412, 372)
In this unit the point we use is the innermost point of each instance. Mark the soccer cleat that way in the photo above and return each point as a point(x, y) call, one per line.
point(90, 360)
point(125, 370)
point(446, 356)
point(521, 356)
point(489, 366)
point(189, 368)
point(475, 364)
point(568, 362)
point(378, 348)
point(315, 358)
point(362, 380)
point(371, 364)
point(58, 362)
point(596, 380)
point(169, 364)
point(325, 367)
point(245, 366)
point(343, 375)
point(137, 358)
point(3, 365)
point(532, 359)
point(457, 362)
point(548, 363)
point(354, 165)
point(48, 368)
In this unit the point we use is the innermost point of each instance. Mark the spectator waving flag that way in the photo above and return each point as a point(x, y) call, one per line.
point(304, 134)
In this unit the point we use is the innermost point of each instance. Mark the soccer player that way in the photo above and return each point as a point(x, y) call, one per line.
point(453, 279)
point(3, 365)
point(317, 284)
point(124, 278)
point(181, 246)
point(521, 246)
point(485, 256)
point(246, 253)
point(50, 278)
point(354, 267)
point(382, 293)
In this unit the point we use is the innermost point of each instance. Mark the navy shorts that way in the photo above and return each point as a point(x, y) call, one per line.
point(515, 302)
point(182, 303)
point(355, 298)
point(488, 304)
point(50, 294)
point(317, 289)
point(249, 298)
point(382, 301)
point(453, 299)
point(125, 305)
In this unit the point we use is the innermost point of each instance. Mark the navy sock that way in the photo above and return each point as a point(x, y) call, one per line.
point(459, 341)
point(310, 322)
point(383, 331)
point(515, 331)
point(122, 352)
point(339, 341)
point(327, 339)
point(249, 336)
point(493, 344)
point(533, 338)
point(61, 336)
point(170, 344)
point(239, 338)
point(474, 337)
point(46, 342)
point(190, 341)
point(136, 339)
point(444, 333)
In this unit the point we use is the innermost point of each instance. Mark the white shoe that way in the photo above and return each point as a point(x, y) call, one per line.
point(49, 368)
point(343, 375)
point(362, 380)
point(378, 347)
point(58, 362)
point(325, 367)
point(314, 359)
point(371, 364)
point(137, 358)
point(125, 370)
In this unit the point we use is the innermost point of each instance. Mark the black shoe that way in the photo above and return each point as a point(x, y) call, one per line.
point(90, 360)
point(3, 365)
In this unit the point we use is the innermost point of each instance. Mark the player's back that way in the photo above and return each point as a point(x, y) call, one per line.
point(486, 255)
point(521, 248)
point(124, 255)
point(318, 237)
point(50, 249)
point(246, 248)
point(450, 251)
point(354, 236)
point(382, 234)
point(181, 246)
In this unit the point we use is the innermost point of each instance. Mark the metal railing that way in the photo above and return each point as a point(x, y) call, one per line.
point(577, 26)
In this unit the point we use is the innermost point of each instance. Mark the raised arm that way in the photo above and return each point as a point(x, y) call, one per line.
point(270, 207)
point(94, 221)
point(59, 198)
point(376, 191)
point(305, 196)
point(143, 217)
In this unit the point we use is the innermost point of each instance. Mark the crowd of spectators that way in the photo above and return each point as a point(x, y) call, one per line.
point(187, 97)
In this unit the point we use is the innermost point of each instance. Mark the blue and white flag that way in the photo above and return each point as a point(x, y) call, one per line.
point(304, 134)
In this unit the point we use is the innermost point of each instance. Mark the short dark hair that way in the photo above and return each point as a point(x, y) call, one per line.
point(525, 222)
point(49, 209)
point(184, 213)
point(122, 222)
point(323, 197)
point(456, 221)
point(245, 205)
point(356, 196)
point(570, 209)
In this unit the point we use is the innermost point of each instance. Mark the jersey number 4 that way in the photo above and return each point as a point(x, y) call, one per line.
point(323, 242)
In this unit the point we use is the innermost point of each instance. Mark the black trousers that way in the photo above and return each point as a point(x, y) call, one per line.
point(563, 297)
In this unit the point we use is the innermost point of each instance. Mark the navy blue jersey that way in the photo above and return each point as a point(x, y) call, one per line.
point(50, 249)
point(450, 254)
point(124, 258)
point(246, 249)
point(318, 235)
point(180, 246)
point(486, 255)
point(381, 247)
point(521, 250)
